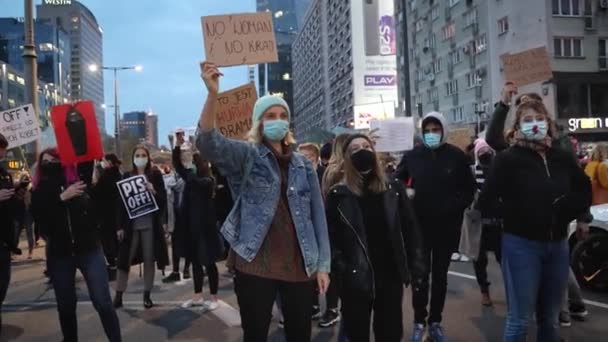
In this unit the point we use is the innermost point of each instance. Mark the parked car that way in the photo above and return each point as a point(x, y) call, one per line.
point(589, 258)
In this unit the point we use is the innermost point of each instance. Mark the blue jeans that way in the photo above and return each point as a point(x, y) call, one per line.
point(535, 275)
point(92, 265)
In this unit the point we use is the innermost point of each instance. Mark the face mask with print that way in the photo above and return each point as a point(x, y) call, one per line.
point(534, 130)
point(140, 162)
point(432, 140)
point(276, 130)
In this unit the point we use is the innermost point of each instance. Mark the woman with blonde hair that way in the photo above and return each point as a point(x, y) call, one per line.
point(334, 173)
point(597, 170)
point(277, 228)
point(541, 189)
point(376, 244)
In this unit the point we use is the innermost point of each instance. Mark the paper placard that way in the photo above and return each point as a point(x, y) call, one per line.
point(239, 39)
point(527, 67)
point(393, 135)
point(461, 137)
point(234, 110)
point(19, 125)
point(136, 197)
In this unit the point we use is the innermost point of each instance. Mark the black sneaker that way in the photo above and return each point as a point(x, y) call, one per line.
point(316, 313)
point(564, 320)
point(578, 312)
point(172, 278)
point(330, 318)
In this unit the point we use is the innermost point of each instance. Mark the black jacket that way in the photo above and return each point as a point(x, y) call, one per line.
point(198, 212)
point(443, 183)
point(350, 258)
point(67, 225)
point(539, 199)
point(107, 199)
point(8, 209)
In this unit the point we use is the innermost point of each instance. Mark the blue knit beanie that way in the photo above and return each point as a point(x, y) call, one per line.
point(265, 102)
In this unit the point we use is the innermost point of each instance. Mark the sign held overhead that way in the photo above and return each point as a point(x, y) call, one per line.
point(234, 110)
point(20, 125)
point(527, 67)
point(239, 39)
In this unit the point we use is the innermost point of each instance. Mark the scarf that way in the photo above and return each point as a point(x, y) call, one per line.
point(537, 145)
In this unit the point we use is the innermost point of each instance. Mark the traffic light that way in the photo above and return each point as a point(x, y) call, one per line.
point(15, 164)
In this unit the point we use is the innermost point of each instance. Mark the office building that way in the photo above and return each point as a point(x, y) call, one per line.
point(133, 125)
point(152, 129)
point(52, 50)
point(344, 65)
point(275, 78)
point(455, 50)
point(86, 43)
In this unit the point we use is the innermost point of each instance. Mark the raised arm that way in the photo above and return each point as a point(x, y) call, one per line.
point(495, 135)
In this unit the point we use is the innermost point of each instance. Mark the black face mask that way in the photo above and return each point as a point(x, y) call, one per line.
point(363, 160)
point(486, 159)
point(51, 169)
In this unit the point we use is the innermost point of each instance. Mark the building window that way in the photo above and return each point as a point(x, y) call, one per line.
point(452, 3)
point(419, 25)
point(481, 44)
point(448, 31)
point(46, 47)
point(568, 47)
point(473, 80)
point(503, 25)
point(572, 7)
point(432, 41)
point(455, 57)
point(451, 88)
point(432, 95)
point(11, 77)
point(437, 65)
point(603, 53)
point(435, 13)
point(457, 114)
point(470, 18)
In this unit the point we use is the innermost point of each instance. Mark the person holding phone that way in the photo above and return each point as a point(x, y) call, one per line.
point(63, 206)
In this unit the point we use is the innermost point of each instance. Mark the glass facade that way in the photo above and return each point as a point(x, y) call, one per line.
point(134, 124)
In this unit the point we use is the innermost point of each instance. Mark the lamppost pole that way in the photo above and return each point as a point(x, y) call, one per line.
point(30, 61)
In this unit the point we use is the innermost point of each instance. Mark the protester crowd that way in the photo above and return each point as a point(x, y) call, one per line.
point(294, 222)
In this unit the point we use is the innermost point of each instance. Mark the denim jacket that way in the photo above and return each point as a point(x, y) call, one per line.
point(257, 199)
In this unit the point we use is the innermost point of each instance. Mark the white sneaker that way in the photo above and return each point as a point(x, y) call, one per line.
point(455, 257)
point(190, 303)
point(210, 305)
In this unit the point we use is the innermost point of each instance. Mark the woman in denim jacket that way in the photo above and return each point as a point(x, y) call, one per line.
point(277, 229)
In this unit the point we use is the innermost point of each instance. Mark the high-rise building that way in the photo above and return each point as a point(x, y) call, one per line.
point(133, 124)
point(53, 51)
point(455, 50)
point(152, 129)
point(275, 78)
point(344, 65)
point(86, 43)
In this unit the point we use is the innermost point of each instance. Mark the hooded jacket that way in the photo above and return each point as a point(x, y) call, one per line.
point(442, 180)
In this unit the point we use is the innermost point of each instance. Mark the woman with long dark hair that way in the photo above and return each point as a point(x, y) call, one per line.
point(142, 239)
point(541, 189)
point(376, 244)
point(202, 235)
point(62, 206)
point(105, 177)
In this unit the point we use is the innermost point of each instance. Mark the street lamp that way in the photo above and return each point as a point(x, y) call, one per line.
point(95, 68)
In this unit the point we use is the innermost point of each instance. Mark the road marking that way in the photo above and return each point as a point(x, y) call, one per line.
point(588, 302)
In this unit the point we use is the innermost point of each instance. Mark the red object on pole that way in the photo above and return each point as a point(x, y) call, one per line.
point(78, 138)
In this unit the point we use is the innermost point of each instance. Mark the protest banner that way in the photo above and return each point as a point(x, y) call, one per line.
point(77, 133)
point(461, 137)
point(20, 125)
point(136, 197)
point(234, 110)
point(393, 135)
point(527, 67)
point(239, 39)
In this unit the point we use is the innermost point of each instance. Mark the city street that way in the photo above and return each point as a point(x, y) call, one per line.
point(30, 315)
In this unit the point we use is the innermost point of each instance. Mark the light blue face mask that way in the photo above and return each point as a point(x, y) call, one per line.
point(534, 130)
point(432, 140)
point(276, 130)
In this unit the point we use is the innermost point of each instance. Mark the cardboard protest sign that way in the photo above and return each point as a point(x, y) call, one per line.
point(234, 110)
point(20, 125)
point(138, 201)
point(76, 131)
point(239, 39)
point(527, 67)
point(461, 137)
point(393, 135)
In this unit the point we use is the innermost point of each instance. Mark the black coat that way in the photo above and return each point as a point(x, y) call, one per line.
point(539, 198)
point(107, 200)
point(198, 214)
point(349, 247)
point(66, 225)
point(443, 182)
point(160, 246)
point(8, 209)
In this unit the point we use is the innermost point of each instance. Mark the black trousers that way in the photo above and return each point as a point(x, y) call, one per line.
point(438, 249)
point(199, 275)
point(256, 296)
point(176, 253)
point(332, 295)
point(387, 309)
point(5, 275)
point(490, 241)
